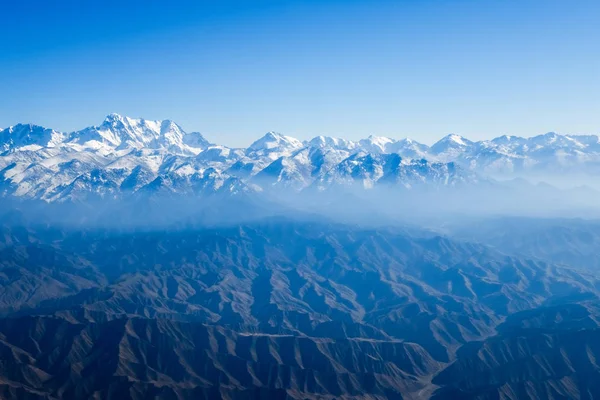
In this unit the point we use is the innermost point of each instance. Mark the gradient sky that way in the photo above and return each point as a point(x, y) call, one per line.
point(236, 69)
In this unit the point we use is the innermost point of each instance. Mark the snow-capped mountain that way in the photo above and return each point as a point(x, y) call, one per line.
point(118, 133)
point(450, 147)
point(125, 156)
point(546, 154)
point(367, 170)
point(408, 148)
point(376, 144)
point(272, 146)
point(326, 142)
point(29, 137)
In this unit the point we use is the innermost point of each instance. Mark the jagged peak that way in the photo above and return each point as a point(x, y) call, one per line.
point(167, 125)
point(273, 140)
point(550, 136)
point(378, 139)
point(273, 135)
point(30, 127)
point(410, 142)
point(163, 125)
point(454, 138)
point(113, 117)
point(509, 140)
point(328, 141)
point(26, 135)
point(505, 137)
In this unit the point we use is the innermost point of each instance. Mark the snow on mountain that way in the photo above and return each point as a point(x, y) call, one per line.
point(284, 172)
point(124, 133)
point(123, 156)
point(451, 146)
point(375, 144)
point(362, 167)
point(273, 145)
point(509, 142)
point(97, 183)
point(410, 149)
point(407, 148)
point(244, 169)
point(204, 182)
point(550, 153)
point(325, 142)
point(369, 170)
point(137, 178)
point(195, 140)
point(301, 168)
point(28, 137)
point(219, 155)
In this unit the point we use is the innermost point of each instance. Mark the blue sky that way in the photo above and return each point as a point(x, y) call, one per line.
point(236, 69)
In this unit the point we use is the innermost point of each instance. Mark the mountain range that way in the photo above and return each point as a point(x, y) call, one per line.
point(140, 261)
point(287, 309)
point(123, 156)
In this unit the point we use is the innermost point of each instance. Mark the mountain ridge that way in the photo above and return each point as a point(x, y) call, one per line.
point(42, 163)
point(381, 142)
point(292, 309)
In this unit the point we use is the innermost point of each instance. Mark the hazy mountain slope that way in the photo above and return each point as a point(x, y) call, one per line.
point(271, 308)
point(574, 242)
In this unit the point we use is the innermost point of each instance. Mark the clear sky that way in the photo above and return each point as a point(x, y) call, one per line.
point(236, 69)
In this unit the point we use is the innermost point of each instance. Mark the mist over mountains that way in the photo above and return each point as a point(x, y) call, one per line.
point(282, 308)
point(140, 261)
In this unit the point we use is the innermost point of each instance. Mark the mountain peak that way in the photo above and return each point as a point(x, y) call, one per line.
point(507, 140)
point(377, 144)
point(331, 142)
point(275, 141)
point(454, 138)
point(112, 118)
point(450, 144)
point(273, 135)
point(26, 135)
point(168, 125)
point(375, 138)
point(548, 136)
point(20, 127)
point(118, 132)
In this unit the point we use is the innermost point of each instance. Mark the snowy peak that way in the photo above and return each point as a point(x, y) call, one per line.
point(196, 140)
point(504, 139)
point(507, 140)
point(123, 133)
point(556, 141)
point(28, 137)
point(453, 140)
point(375, 144)
point(371, 170)
point(123, 156)
point(326, 142)
point(451, 145)
point(113, 118)
point(274, 140)
point(274, 145)
point(409, 149)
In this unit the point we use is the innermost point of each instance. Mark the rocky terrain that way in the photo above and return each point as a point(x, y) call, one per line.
point(283, 308)
point(140, 261)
